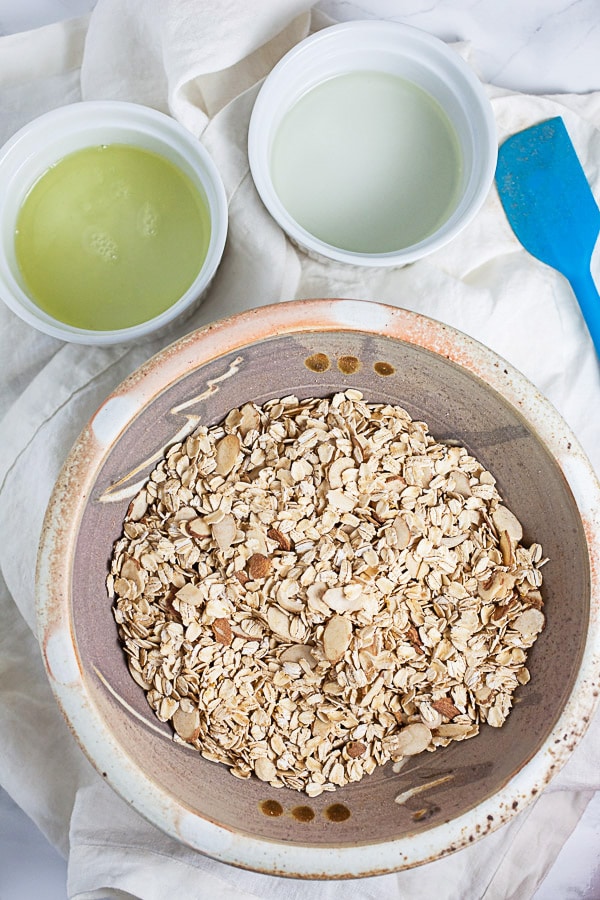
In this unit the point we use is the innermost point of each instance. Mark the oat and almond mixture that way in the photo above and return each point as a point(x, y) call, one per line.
point(315, 587)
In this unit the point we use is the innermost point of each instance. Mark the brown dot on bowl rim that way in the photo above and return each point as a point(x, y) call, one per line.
point(318, 362)
point(348, 364)
point(303, 813)
point(337, 812)
point(271, 808)
point(384, 368)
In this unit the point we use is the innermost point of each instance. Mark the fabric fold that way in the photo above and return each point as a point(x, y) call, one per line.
point(185, 57)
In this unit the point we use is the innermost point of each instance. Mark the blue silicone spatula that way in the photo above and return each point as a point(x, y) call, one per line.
point(552, 211)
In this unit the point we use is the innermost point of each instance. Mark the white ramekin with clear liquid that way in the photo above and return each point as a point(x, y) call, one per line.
point(375, 177)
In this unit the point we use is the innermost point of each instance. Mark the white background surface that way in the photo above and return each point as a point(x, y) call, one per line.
point(537, 46)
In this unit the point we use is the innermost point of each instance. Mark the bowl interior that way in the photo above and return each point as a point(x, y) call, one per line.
point(456, 405)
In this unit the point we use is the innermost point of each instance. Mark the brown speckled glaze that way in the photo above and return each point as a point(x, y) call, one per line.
point(440, 377)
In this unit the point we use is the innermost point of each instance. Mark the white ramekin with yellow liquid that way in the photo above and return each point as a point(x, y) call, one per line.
point(113, 222)
point(372, 143)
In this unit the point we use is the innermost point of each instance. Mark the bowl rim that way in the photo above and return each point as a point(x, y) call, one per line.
point(311, 46)
point(93, 115)
point(53, 580)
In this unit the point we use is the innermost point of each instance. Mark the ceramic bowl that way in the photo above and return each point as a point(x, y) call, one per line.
point(388, 174)
point(48, 139)
point(463, 391)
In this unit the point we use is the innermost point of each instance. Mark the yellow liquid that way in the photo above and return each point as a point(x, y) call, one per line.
point(111, 236)
point(367, 162)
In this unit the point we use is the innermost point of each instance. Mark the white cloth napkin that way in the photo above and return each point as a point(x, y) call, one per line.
point(202, 60)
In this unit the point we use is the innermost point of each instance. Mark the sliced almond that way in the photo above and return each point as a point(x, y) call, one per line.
point(227, 453)
point(138, 507)
point(222, 631)
point(187, 724)
point(259, 566)
point(506, 549)
point(455, 540)
point(282, 539)
point(354, 749)
point(504, 520)
point(412, 739)
point(336, 637)
point(139, 678)
point(278, 622)
point(446, 707)
point(413, 636)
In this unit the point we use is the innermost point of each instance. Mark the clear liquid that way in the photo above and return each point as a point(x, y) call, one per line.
point(111, 236)
point(367, 162)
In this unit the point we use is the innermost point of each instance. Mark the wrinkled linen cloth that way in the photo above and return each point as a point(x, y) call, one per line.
point(203, 62)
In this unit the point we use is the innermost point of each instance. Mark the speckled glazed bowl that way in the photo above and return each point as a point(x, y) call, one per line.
point(463, 391)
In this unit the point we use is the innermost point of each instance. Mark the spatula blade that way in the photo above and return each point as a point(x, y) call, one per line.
point(546, 196)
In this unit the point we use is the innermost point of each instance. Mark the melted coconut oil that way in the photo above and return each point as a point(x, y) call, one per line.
point(367, 162)
point(111, 236)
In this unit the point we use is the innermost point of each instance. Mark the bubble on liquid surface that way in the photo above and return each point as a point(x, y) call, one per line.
point(147, 220)
point(101, 244)
point(121, 189)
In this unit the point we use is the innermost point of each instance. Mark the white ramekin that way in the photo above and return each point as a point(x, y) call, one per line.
point(49, 138)
point(396, 49)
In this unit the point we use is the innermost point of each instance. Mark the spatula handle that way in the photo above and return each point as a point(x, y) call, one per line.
point(589, 301)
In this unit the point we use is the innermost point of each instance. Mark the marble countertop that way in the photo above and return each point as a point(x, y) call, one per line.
point(539, 46)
